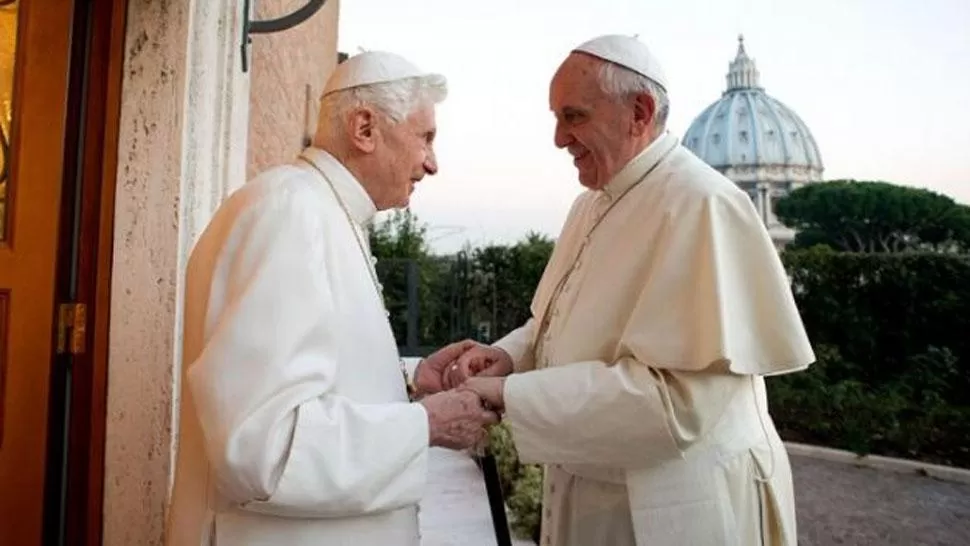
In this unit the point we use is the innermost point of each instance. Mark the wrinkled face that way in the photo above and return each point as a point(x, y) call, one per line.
point(600, 132)
point(404, 155)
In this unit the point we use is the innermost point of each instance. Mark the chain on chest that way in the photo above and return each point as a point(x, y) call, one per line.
point(565, 291)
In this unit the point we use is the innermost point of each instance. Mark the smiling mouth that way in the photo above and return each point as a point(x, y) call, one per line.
point(578, 158)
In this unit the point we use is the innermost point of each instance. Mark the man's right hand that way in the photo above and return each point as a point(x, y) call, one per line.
point(430, 374)
point(457, 419)
point(478, 360)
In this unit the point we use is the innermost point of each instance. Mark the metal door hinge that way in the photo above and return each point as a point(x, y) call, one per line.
point(72, 321)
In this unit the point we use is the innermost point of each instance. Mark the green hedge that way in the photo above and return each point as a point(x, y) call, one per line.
point(892, 337)
point(521, 484)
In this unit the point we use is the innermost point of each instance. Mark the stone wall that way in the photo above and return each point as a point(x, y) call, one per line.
point(182, 146)
point(184, 130)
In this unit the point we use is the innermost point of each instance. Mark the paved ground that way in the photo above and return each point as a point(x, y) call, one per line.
point(842, 504)
point(838, 504)
point(455, 509)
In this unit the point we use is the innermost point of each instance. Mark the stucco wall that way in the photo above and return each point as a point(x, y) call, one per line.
point(140, 386)
point(283, 65)
point(184, 129)
point(182, 145)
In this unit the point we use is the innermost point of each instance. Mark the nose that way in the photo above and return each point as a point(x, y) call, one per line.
point(562, 138)
point(431, 162)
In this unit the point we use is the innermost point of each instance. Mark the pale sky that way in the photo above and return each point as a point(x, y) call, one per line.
point(884, 86)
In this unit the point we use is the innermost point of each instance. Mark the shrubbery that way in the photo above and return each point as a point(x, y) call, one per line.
point(892, 337)
point(521, 484)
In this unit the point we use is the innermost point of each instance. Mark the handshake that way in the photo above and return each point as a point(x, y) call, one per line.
point(460, 387)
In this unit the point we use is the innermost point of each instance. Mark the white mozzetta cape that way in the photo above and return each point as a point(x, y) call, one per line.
point(642, 364)
point(295, 426)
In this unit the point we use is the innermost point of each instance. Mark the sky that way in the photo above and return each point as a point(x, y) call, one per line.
point(884, 86)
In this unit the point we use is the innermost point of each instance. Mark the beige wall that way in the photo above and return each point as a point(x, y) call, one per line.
point(185, 122)
point(282, 111)
point(144, 280)
point(182, 146)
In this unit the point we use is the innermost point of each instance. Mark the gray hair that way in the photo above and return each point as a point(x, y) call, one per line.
point(397, 100)
point(621, 82)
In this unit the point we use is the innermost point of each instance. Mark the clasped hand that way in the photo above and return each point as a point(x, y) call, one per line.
point(461, 386)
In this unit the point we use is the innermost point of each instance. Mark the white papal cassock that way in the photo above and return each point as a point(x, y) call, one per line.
point(296, 428)
point(639, 377)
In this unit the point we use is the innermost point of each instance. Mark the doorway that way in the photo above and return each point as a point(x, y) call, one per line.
point(60, 67)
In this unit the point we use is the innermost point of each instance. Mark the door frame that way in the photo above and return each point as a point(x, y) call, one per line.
point(75, 491)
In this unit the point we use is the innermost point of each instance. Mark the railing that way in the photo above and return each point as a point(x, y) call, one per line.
point(432, 303)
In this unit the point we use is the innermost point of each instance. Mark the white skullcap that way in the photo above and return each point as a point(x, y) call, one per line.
point(627, 52)
point(372, 67)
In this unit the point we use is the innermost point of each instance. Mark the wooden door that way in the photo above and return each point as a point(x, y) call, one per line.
point(35, 38)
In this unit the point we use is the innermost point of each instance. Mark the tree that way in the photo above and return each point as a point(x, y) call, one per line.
point(400, 236)
point(399, 243)
point(854, 216)
point(506, 278)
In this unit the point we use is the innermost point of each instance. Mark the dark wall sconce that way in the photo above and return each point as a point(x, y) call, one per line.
point(269, 26)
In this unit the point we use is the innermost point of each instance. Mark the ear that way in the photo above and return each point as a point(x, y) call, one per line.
point(362, 129)
point(644, 112)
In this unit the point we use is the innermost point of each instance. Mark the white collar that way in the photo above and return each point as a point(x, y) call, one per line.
point(641, 163)
point(348, 188)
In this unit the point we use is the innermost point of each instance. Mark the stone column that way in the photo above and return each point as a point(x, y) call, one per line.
point(762, 189)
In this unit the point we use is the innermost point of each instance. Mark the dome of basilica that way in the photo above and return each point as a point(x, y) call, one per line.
point(756, 141)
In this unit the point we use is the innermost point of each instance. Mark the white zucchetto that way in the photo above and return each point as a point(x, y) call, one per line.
point(628, 52)
point(372, 67)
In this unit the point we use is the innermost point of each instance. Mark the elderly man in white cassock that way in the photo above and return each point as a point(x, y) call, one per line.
point(296, 426)
point(639, 380)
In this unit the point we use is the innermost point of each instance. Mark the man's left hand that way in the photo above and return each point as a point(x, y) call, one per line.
point(428, 375)
point(490, 389)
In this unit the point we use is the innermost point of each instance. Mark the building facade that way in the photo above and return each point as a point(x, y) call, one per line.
point(758, 142)
point(125, 123)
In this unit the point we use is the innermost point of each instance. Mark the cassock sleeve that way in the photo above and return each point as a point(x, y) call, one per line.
point(618, 416)
point(518, 344)
point(279, 440)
